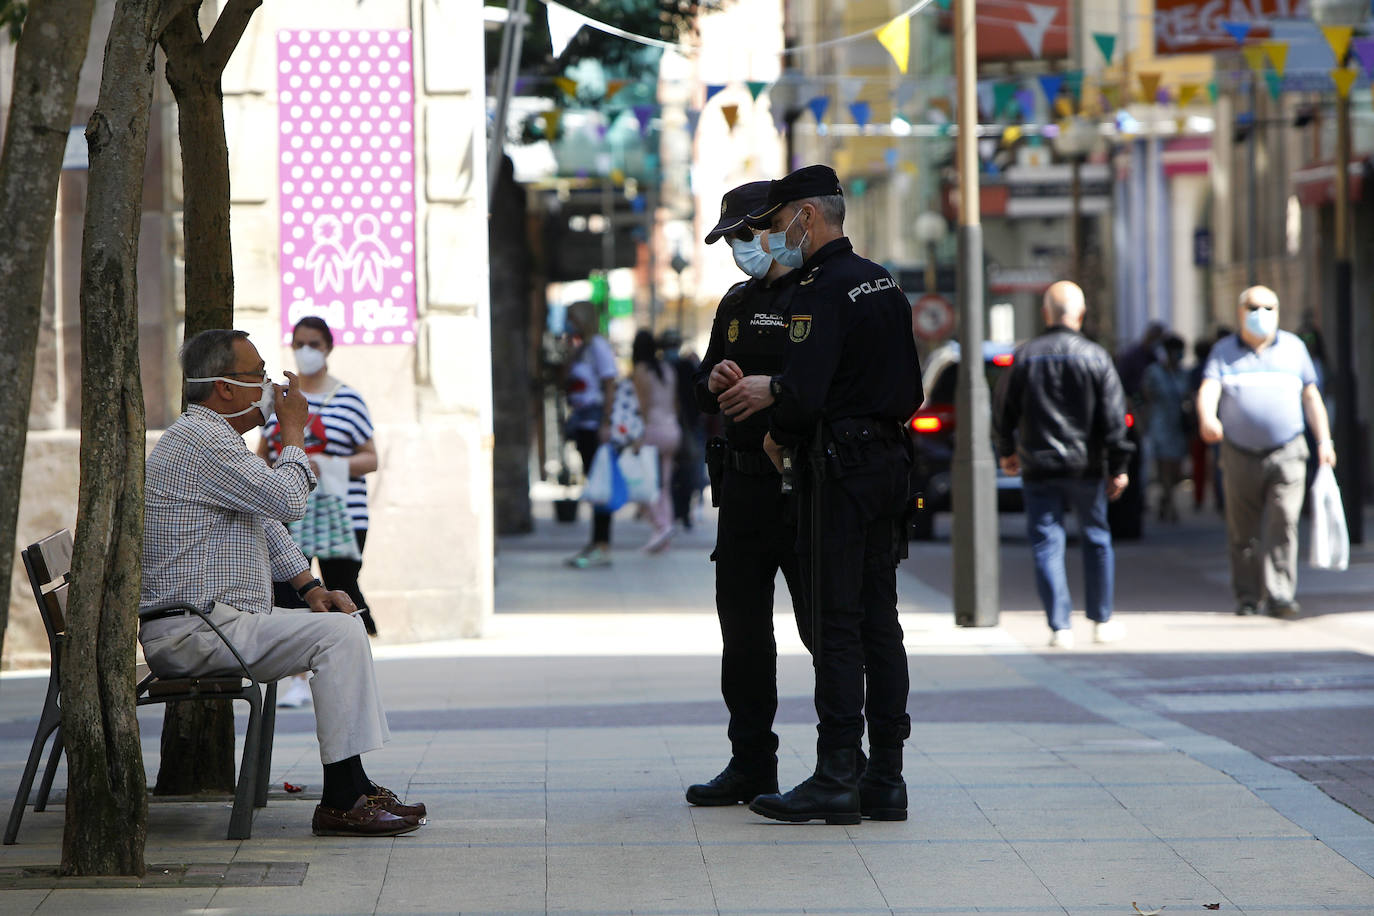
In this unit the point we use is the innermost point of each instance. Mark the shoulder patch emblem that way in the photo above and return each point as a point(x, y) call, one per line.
point(800, 328)
point(732, 332)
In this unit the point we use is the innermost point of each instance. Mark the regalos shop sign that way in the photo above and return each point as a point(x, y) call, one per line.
point(1184, 27)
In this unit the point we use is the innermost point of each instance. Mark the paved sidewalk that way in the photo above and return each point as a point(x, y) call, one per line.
point(553, 754)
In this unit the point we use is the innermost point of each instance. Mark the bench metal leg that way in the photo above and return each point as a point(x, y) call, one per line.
point(268, 731)
point(45, 786)
point(47, 724)
point(241, 819)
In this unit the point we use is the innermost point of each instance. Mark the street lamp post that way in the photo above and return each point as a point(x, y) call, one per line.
point(1350, 467)
point(976, 571)
point(1075, 141)
point(930, 229)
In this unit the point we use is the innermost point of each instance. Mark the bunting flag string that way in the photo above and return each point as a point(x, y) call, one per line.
point(1338, 37)
point(1277, 52)
point(896, 38)
point(1149, 87)
point(1254, 57)
point(1344, 78)
point(818, 105)
point(564, 24)
point(1033, 33)
point(566, 85)
point(731, 115)
point(860, 112)
point(755, 87)
point(712, 89)
point(1364, 50)
point(1106, 43)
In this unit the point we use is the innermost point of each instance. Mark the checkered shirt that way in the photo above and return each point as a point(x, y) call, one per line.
point(214, 517)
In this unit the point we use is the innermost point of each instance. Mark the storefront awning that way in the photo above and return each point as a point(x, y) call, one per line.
point(1315, 184)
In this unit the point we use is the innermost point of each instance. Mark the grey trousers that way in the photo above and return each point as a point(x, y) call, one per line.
point(1264, 496)
point(349, 718)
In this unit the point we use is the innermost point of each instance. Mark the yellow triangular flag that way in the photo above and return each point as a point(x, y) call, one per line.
point(1011, 135)
point(568, 85)
point(1344, 78)
point(1149, 84)
point(551, 120)
point(1063, 106)
point(731, 114)
point(1179, 124)
point(896, 37)
point(1338, 37)
point(1186, 93)
point(1254, 56)
point(1278, 54)
point(614, 86)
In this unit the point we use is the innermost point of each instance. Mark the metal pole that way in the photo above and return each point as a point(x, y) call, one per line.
point(1076, 221)
point(1350, 464)
point(976, 559)
point(1252, 186)
point(511, 43)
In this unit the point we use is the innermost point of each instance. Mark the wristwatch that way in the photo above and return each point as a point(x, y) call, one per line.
point(308, 587)
point(775, 386)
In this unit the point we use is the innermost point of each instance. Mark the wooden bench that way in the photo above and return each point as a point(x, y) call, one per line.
point(48, 563)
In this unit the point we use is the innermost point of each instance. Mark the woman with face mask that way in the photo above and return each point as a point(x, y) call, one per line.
point(339, 432)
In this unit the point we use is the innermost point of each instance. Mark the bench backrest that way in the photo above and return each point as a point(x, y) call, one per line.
point(49, 564)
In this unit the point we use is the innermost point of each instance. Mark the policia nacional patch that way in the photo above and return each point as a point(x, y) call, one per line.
point(800, 328)
point(732, 332)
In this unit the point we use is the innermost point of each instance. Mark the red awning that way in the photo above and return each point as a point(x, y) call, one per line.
point(1315, 184)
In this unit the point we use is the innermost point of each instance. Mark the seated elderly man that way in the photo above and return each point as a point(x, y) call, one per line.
point(215, 539)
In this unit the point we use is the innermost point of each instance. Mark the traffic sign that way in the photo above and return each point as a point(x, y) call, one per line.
point(932, 317)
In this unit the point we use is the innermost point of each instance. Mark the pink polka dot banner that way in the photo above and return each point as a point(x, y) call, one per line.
point(346, 111)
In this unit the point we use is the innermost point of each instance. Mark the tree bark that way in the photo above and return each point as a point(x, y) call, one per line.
point(511, 264)
point(46, 69)
point(107, 804)
point(198, 738)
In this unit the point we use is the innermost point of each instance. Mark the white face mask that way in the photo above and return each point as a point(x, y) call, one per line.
point(750, 257)
point(309, 360)
point(778, 248)
point(1262, 322)
point(265, 404)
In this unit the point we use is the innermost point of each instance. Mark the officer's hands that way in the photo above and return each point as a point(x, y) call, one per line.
point(322, 601)
point(746, 397)
point(1209, 429)
point(774, 451)
point(1011, 465)
point(1116, 486)
point(725, 374)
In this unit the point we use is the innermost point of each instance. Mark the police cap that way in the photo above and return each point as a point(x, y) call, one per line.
point(735, 204)
point(807, 181)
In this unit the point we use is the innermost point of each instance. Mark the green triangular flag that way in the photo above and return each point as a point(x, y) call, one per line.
point(1073, 79)
point(1106, 43)
point(1213, 91)
point(755, 87)
point(1002, 93)
point(1275, 84)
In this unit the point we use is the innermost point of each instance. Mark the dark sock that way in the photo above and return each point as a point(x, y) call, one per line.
point(344, 781)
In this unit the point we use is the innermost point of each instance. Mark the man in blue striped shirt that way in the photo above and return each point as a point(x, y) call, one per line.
point(1256, 388)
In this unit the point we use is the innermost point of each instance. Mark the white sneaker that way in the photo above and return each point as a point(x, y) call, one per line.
point(1109, 631)
point(293, 692)
point(1061, 639)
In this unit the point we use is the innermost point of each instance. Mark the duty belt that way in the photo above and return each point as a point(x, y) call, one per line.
point(754, 463)
point(865, 429)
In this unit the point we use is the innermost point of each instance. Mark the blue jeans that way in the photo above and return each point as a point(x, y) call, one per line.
point(1046, 501)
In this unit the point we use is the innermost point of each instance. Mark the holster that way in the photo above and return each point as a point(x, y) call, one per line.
point(715, 466)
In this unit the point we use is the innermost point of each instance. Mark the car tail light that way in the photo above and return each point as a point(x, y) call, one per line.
point(927, 424)
point(1003, 359)
point(1130, 419)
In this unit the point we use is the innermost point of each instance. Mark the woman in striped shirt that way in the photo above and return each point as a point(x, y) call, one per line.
point(339, 427)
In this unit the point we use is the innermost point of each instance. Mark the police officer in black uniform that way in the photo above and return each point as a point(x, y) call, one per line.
point(851, 382)
point(757, 525)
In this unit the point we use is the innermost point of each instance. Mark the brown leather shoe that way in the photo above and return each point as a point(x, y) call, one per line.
point(368, 817)
point(392, 802)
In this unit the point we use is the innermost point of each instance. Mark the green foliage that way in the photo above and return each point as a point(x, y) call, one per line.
point(12, 13)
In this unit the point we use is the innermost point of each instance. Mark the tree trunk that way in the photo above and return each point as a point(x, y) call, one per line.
point(46, 68)
point(511, 264)
point(198, 738)
point(107, 804)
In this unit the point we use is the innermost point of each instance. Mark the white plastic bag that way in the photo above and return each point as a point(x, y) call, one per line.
point(641, 473)
point(605, 484)
point(1330, 547)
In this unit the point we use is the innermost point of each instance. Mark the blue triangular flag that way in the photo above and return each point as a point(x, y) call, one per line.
point(860, 111)
point(818, 105)
point(1239, 30)
point(712, 89)
point(1050, 84)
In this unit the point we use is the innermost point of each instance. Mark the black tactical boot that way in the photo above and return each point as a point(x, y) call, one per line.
point(735, 784)
point(882, 791)
point(831, 793)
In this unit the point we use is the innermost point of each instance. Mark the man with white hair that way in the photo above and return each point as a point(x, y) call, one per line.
point(1256, 388)
point(1060, 417)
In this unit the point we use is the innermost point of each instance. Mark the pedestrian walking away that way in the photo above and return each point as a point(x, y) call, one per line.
point(216, 540)
point(852, 380)
point(590, 387)
point(655, 383)
point(756, 533)
point(1258, 385)
point(1060, 421)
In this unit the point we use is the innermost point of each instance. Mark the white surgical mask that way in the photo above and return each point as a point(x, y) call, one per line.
point(309, 360)
point(1262, 322)
point(778, 248)
point(750, 257)
point(266, 404)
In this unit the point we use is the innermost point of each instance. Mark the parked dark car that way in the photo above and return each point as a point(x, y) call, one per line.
point(932, 435)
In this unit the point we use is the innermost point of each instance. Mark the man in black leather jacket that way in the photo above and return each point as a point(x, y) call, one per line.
point(1060, 418)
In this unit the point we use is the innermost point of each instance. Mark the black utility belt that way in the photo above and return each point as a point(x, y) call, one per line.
point(865, 429)
point(754, 462)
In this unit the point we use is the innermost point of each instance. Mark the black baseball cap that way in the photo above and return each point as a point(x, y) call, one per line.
point(735, 204)
point(807, 181)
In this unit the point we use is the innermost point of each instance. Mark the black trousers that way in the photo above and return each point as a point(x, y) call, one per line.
point(756, 538)
point(337, 574)
point(861, 671)
point(587, 442)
